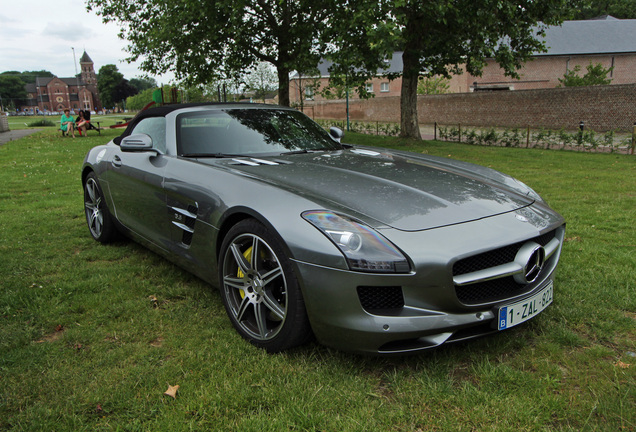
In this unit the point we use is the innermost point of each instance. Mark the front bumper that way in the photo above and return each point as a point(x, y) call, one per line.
point(431, 312)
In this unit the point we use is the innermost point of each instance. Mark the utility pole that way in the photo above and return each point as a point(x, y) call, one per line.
point(76, 80)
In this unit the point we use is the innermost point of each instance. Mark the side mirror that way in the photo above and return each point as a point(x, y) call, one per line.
point(136, 143)
point(336, 133)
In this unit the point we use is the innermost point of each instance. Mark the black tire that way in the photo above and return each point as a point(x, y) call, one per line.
point(98, 218)
point(259, 289)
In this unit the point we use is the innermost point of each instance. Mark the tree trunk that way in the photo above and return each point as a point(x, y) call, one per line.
point(409, 126)
point(283, 86)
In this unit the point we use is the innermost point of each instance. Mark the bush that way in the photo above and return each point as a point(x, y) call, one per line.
point(377, 128)
point(42, 123)
point(511, 138)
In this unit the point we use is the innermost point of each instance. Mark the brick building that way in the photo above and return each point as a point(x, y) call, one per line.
point(606, 40)
point(53, 94)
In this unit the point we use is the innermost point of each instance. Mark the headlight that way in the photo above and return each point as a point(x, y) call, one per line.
point(365, 249)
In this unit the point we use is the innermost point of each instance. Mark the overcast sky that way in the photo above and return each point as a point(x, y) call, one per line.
point(33, 38)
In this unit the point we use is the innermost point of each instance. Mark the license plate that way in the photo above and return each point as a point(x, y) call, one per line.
point(516, 313)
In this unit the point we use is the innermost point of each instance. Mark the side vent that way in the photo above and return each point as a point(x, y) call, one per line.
point(185, 219)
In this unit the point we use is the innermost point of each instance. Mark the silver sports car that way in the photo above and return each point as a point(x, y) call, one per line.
point(370, 250)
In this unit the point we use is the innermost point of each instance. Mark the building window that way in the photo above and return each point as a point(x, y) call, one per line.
point(370, 87)
point(309, 93)
point(384, 87)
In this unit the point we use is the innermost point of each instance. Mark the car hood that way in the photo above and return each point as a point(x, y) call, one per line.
point(401, 190)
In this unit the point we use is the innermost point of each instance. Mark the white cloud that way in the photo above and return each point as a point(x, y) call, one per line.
point(39, 34)
point(70, 33)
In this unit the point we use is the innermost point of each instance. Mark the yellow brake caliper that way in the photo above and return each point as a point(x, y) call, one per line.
point(248, 256)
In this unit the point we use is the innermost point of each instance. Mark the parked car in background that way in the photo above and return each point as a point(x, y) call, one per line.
point(371, 250)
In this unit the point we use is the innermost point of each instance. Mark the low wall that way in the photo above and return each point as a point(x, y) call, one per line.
point(4, 122)
point(602, 108)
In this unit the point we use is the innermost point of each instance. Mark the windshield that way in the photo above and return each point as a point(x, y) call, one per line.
point(242, 132)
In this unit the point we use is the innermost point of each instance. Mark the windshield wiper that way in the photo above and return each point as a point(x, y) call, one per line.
point(294, 152)
point(303, 151)
point(210, 155)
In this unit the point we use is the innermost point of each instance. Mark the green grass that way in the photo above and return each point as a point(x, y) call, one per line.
point(91, 335)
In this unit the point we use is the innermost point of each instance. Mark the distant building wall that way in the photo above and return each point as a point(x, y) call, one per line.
point(602, 108)
point(538, 73)
point(545, 72)
point(378, 86)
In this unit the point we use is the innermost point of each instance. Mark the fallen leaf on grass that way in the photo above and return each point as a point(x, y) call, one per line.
point(172, 391)
point(622, 365)
point(157, 342)
point(59, 329)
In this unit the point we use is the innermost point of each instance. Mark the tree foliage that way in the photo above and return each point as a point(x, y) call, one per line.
point(203, 41)
point(432, 85)
point(142, 84)
point(442, 38)
point(112, 86)
point(261, 80)
point(623, 9)
point(29, 76)
point(360, 39)
point(140, 100)
point(12, 90)
point(596, 75)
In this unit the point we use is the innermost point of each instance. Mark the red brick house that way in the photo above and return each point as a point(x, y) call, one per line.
point(606, 40)
point(53, 94)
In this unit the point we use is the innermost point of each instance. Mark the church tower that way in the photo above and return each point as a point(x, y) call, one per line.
point(88, 79)
point(88, 75)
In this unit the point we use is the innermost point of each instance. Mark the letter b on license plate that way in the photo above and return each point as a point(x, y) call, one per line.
point(516, 313)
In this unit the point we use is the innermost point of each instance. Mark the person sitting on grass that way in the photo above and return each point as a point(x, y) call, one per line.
point(67, 124)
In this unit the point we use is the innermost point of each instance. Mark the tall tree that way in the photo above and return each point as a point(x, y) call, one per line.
point(123, 90)
point(12, 90)
point(442, 37)
point(112, 86)
point(205, 40)
point(142, 84)
point(360, 38)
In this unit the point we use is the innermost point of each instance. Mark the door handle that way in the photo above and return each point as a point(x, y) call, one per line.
point(116, 161)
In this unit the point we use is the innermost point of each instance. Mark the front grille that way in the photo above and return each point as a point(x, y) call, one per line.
point(490, 291)
point(496, 257)
point(496, 289)
point(375, 299)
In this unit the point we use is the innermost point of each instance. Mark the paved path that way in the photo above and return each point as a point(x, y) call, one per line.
point(7, 136)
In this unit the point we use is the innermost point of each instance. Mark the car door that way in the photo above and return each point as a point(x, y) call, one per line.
point(136, 184)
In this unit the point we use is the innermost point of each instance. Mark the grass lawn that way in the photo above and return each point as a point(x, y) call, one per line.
point(23, 122)
point(91, 336)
